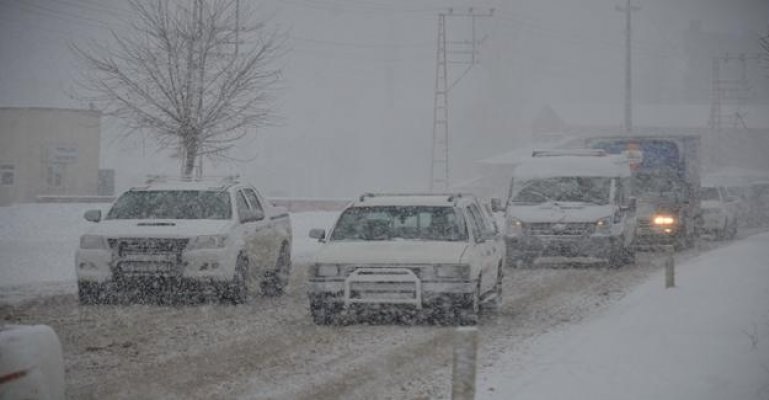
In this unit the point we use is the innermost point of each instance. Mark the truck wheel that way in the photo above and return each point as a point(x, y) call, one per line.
point(323, 313)
point(237, 290)
point(617, 255)
point(90, 293)
point(492, 305)
point(466, 313)
point(274, 282)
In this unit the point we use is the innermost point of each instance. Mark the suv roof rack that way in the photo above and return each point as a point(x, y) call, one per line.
point(224, 179)
point(569, 152)
point(451, 197)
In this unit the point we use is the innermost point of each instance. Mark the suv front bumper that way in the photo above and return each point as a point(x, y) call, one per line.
point(531, 247)
point(383, 289)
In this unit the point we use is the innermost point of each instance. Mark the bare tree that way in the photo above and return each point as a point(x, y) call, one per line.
point(197, 74)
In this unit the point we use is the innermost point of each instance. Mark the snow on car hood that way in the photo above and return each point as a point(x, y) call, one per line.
point(560, 212)
point(391, 252)
point(159, 227)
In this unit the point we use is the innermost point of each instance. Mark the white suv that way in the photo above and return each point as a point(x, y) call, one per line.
point(186, 236)
point(433, 252)
point(719, 212)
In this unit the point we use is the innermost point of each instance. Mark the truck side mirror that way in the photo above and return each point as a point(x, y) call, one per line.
point(316, 233)
point(631, 204)
point(496, 205)
point(92, 215)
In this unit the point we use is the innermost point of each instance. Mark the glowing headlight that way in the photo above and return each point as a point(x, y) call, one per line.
point(93, 242)
point(664, 220)
point(207, 242)
point(326, 270)
point(603, 224)
point(453, 271)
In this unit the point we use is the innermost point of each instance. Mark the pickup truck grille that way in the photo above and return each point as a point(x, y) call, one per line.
point(148, 246)
point(559, 229)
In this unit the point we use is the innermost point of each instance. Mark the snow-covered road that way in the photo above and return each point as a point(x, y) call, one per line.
point(269, 348)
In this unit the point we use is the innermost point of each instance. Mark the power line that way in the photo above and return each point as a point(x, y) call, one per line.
point(439, 169)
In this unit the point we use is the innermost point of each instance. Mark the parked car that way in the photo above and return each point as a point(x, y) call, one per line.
point(719, 212)
point(571, 206)
point(31, 363)
point(759, 202)
point(431, 253)
point(204, 235)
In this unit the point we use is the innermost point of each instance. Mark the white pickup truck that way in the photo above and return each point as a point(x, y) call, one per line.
point(217, 236)
point(438, 255)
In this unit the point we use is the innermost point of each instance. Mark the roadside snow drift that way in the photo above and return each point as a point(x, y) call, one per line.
point(708, 338)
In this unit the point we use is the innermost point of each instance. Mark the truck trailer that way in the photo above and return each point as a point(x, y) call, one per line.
point(666, 183)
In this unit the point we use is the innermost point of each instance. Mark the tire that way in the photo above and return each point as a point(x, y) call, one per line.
point(466, 313)
point(323, 313)
point(273, 283)
point(492, 305)
point(89, 293)
point(236, 291)
point(618, 255)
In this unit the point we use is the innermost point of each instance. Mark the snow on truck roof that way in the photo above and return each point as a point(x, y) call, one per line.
point(582, 164)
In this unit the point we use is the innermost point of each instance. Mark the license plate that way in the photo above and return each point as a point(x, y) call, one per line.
point(146, 268)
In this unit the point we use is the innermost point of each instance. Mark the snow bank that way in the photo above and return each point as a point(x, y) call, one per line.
point(708, 338)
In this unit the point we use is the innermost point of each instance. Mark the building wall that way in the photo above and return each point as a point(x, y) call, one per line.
point(51, 151)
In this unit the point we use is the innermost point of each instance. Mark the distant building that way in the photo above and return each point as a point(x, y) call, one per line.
point(48, 152)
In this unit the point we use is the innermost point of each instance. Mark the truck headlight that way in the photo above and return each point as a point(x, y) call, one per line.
point(325, 270)
point(603, 225)
point(452, 271)
point(93, 242)
point(207, 242)
point(664, 220)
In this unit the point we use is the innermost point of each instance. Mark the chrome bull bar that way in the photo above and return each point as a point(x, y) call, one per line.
point(383, 286)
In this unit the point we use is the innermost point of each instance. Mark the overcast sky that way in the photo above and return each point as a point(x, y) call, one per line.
point(359, 79)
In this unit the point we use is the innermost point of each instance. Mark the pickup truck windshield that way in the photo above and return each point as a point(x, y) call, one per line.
point(411, 223)
point(172, 204)
point(565, 189)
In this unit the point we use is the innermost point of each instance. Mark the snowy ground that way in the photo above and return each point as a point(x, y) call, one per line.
point(576, 333)
point(708, 338)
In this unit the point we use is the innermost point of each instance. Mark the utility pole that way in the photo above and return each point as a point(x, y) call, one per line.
point(730, 94)
point(439, 170)
point(628, 10)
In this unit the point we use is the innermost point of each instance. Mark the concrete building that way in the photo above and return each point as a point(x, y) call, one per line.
point(48, 152)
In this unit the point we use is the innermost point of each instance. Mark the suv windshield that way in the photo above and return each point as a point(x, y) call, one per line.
point(566, 189)
point(172, 204)
point(389, 222)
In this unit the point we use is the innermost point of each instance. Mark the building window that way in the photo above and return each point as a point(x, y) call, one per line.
point(7, 174)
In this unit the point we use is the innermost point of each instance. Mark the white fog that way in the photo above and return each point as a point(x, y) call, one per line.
point(559, 262)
